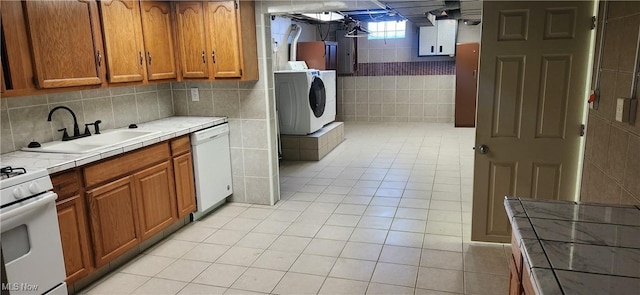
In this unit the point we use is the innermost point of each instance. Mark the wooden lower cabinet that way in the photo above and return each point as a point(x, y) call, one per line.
point(185, 187)
point(114, 224)
point(519, 278)
point(155, 191)
point(74, 234)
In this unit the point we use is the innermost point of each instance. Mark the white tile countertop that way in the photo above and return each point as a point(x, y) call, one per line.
point(54, 162)
point(575, 248)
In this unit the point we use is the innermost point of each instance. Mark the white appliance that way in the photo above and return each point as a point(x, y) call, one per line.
point(31, 247)
point(211, 167)
point(305, 99)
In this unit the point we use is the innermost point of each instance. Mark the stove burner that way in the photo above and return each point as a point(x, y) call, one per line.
point(8, 171)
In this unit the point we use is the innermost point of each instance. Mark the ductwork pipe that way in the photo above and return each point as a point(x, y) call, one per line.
point(297, 30)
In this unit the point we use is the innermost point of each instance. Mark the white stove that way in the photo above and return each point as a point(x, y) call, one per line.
point(30, 239)
point(18, 184)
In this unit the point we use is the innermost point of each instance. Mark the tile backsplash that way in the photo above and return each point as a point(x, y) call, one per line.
point(612, 152)
point(24, 119)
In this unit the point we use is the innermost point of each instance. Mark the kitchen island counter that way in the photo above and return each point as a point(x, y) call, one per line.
point(571, 248)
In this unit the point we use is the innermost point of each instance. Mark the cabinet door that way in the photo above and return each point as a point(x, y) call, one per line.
point(156, 198)
point(158, 40)
point(114, 225)
point(65, 42)
point(447, 37)
point(122, 33)
point(223, 28)
point(192, 39)
point(428, 40)
point(72, 219)
point(185, 187)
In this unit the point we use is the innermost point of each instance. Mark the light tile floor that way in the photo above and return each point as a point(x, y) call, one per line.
point(387, 212)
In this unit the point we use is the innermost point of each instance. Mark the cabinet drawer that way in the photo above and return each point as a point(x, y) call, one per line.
point(125, 164)
point(180, 145)
point(66, 184)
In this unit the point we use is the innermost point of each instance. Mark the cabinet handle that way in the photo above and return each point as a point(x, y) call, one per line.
point(213, 55)
point(149, 56)
point(432, 48)
point(440, 48)
point(204, 60)
point(140, 53)
point(99, 57)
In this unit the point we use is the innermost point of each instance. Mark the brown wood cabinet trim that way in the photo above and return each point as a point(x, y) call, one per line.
point(517, 255)
point(527, 287)
point(97, 173)
point(67, 183)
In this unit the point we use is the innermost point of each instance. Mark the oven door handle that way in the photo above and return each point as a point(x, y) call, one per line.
point(29, 207)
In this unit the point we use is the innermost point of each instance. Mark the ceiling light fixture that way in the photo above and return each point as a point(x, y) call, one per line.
point(325, 16)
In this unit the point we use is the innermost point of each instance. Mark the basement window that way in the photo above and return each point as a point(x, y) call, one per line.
point(386, 30)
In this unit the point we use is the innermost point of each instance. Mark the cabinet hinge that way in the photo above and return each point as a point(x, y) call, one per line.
point(240, 72)
point(236, 4)
point(582, 127)
point(594, 22)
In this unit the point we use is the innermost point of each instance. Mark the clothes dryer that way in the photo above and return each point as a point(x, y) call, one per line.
point(303, 103)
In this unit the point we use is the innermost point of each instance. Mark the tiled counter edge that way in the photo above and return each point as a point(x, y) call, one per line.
point(534, 259)
point(53, 162)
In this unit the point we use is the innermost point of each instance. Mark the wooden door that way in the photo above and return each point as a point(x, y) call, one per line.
point(114, 224)
point(531, 102)
point(192, 39)
point(65, 42)
point(158, 40)
point(156, 198)
point(466, 84)
point(185, 187)
point(224, 29)
point(74, 234)
point(123, 46)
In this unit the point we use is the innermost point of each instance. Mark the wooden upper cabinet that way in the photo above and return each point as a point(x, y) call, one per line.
point(223, 28)
point(158, 40)
point(123, 45)
point(65, 42)
point(192, 40)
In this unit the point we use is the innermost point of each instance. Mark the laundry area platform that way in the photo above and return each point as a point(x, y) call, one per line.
point(312, 147)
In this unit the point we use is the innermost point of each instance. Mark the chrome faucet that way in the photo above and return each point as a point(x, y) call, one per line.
point(76, 129)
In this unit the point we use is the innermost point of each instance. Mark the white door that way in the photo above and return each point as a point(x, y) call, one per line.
point(531, 102)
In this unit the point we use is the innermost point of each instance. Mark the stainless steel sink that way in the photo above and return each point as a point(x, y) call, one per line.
point(94, 142)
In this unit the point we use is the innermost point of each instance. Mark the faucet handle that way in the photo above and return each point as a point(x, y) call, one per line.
point(96, 126)
point(65, 135)
point(86, 129)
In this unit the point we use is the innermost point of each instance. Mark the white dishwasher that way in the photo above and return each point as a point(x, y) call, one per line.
point(211, 167)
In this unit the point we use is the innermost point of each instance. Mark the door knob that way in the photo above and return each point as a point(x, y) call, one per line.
point(483, 149)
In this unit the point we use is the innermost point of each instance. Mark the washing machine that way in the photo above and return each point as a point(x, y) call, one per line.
point(305, 100)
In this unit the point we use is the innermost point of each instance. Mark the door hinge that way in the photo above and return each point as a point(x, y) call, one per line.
point(594, 22)
point(236, 4)
point(582, 127)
